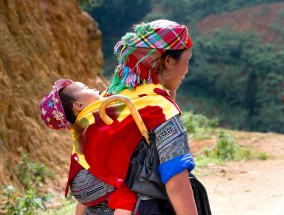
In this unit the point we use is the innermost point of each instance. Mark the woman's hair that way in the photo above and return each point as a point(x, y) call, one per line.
point(67, 103)
point(173, 53)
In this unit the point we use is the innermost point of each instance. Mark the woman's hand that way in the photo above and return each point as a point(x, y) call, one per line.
point(181, 195)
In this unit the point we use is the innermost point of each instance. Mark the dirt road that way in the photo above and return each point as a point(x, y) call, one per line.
point(253, 187)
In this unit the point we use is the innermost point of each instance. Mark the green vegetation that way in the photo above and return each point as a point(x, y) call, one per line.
point(31, 176)
point(67, 207)
point(238, 80)
point(199, 126)
point(28, 203)
point(32, 201)
point(115, 18)
point(227, 149)
point(195, 10)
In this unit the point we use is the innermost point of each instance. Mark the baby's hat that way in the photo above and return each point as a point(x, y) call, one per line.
point(52, 112)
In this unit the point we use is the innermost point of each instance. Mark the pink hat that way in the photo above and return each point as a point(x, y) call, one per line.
point(51, 108)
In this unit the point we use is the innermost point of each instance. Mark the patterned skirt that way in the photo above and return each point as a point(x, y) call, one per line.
point(101, 209)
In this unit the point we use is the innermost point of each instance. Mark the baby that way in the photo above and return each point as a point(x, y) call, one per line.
point(59, 110)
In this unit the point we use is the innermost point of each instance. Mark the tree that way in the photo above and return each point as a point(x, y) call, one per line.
point(240, 79)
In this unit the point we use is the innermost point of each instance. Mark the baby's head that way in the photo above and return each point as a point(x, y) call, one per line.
point(67, 99)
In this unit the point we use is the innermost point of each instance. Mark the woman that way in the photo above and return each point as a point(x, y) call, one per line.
point(156, 56)
point(152, 59)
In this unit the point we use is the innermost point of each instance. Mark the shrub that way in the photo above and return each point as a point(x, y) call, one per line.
point(31, 175)
point(193, 122)
point(226, 148)
point(28, 204)
point(198, 125)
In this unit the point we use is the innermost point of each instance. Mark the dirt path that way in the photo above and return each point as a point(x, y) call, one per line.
point(253, 187)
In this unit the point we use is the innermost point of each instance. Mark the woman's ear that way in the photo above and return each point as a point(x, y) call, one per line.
point(78, 106)
point(169, 62)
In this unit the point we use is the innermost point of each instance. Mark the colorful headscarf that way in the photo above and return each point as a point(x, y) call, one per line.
point(52, 112)
point(138, 53)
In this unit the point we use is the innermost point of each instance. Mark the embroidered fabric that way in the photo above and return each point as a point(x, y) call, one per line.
point(173, 149)
point(101, 209)
point(171, 139)
point(87, 188)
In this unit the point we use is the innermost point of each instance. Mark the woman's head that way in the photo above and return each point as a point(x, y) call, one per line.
point(173, 67)
point(139, 52)
point(67, 99)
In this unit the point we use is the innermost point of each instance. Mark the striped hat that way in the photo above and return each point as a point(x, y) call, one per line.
point(138, 53)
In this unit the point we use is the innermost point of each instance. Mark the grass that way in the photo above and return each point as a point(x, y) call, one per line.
point(198, 126)
point(227, 149)
point(65, 207)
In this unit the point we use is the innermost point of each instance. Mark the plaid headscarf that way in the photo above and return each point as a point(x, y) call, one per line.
point(138, 53)
point(51, 108)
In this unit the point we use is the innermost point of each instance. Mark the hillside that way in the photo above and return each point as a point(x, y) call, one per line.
point(236, 73)
point(41, 41)
point(266, 19)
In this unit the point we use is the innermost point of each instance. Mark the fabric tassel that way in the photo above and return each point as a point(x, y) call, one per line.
point(140, 28)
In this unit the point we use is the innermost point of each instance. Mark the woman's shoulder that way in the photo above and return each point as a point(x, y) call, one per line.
point(170, 128)
point(173, 121)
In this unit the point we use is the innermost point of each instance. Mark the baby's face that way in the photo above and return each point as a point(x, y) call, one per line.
point(82, 93)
